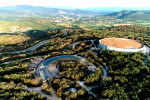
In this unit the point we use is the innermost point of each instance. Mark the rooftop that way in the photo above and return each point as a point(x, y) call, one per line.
point(121, 43)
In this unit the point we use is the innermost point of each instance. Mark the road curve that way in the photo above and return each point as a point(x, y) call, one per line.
point(33, 48)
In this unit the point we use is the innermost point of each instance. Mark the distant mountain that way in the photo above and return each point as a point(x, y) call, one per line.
point(5, 11)
point(38, 11)
point(113, 9)
point(62, 7)
point(23, 7)
point(132, 14)
point(44, 11)
point(122, 14)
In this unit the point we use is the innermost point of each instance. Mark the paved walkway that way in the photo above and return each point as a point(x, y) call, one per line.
point(86, 88)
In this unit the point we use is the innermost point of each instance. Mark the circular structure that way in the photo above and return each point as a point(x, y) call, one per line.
point(49, 69)
point(121, 44)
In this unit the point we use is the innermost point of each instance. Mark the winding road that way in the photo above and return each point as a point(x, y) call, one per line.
point(52, 71)
point(33, 48)
point(46, 72)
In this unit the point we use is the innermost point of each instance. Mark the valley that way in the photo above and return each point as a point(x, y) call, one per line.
point(56, 54)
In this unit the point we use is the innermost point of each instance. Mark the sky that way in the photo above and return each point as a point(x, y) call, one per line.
point(78, 3)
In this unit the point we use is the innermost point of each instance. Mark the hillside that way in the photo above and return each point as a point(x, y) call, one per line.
point(24, 24)
point(131, 15)
point(21, 18)
point(43, 11)
point(92, 73)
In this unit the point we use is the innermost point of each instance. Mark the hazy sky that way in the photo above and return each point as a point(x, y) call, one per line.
point(78, 3)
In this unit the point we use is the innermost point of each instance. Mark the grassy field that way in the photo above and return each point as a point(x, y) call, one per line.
point(143, 24)
point(26, 24)
point(9, 39)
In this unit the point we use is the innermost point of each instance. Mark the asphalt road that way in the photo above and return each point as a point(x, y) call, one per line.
point(33, 48)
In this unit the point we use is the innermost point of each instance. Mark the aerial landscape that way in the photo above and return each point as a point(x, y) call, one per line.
point(74, 50)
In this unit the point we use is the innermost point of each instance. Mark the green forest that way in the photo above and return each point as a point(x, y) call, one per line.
point(128, 77)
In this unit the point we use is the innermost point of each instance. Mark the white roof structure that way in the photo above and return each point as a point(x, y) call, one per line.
point(122, 45)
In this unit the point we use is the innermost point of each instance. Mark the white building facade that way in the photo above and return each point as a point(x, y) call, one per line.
point(143, 49)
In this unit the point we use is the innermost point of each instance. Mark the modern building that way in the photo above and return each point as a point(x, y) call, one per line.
point(124, 45)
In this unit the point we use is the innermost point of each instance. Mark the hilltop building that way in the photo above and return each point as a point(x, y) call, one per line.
point(124, 45)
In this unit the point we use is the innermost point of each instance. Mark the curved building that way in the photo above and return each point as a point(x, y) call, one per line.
point(49, 69)
point(124, 45)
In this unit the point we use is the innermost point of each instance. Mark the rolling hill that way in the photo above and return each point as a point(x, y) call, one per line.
point(143, 15)
point(42, 11)
point(113, 9)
